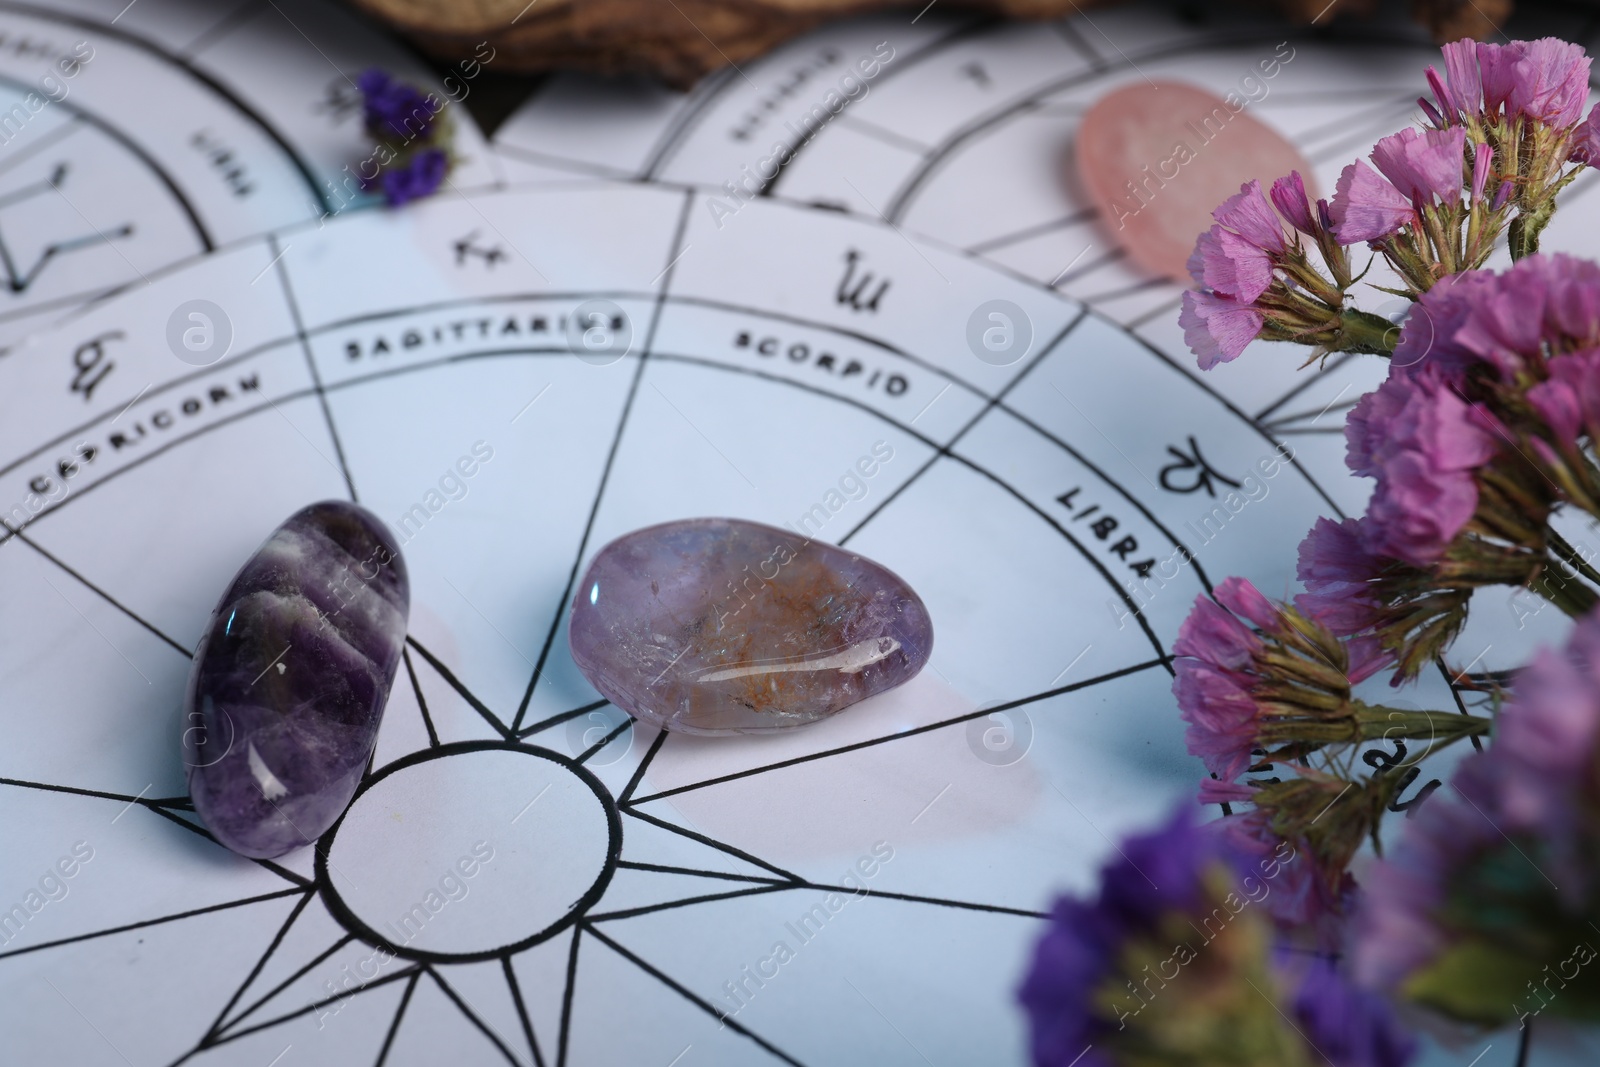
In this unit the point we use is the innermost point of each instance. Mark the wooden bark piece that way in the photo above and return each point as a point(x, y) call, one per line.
point(682, 40)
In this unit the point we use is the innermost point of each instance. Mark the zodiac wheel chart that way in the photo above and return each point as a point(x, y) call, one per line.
point(134, 137)
point(527, 875)
point(967, 136)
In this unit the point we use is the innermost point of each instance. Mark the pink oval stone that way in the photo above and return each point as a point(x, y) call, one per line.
point(720, 626)
point(1158, 158)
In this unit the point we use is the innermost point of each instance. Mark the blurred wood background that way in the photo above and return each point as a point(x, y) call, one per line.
point(680, 41)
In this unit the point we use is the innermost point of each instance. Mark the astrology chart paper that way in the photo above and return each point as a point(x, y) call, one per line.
point(864, 890)
point(965, 135)
point(186, 126)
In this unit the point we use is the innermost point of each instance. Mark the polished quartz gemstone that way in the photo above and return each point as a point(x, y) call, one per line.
point(291, 677)
point(1157, 157)
point(718, 626)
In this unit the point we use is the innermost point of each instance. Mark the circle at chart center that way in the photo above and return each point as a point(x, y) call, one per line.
point(469, 850)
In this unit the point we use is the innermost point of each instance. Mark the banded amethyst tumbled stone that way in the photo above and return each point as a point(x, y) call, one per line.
point(719, 626)
point(291, 677)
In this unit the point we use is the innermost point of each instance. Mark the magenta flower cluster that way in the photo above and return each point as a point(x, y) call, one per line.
point(1217, 655)
point(1544, 81)
point(1487, 424)
point(1222, 665)
point(1236, 262)
point(1531, 332)
point(1487, 88)
point(1416, 169)
point(1511, 320)
point(1503, 123)
point(1422, 442)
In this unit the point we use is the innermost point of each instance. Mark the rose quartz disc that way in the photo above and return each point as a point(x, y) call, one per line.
point(1198, 148)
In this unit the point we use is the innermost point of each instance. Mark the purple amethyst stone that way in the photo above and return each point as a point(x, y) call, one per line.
point(719, 626)
point(291, 677)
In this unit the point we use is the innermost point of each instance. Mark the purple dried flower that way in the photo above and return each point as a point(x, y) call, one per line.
point(1078, 954)
point(420, 176)
point(1424, 165)
point(1349, 1026)
point(1241, 692)
point(1498, 74)
point(1248, 214)
point(1222, 716)
point(1545, 80)
point(1465, 93)
point(1586, 140)
point(1214, 683)
point(1341, 577)
point(394, 110)
point(1253, 276)
point(1499, 882)
point(1397, 932)
point(1446, 99)
point(1549, 80)
point(1422, 442)
point(1482, 160)
point(1212, 633)
point(1572, 300)
point(1289, 197)
point(1429, 338)
point(1230, 265)
point(1502, 195)
point(1366, 207)
point(1069, 962)
point(1506, 324)
point(1569, 400)
point(1184, 903)
point(1218, 328)
point(1301, 897)
point(1548, 738)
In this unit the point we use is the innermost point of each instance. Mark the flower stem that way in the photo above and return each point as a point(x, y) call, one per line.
point(1526, 228)
point(1379, 722)
point(1562, 588)
point(1362, 331)
point(1569, 555)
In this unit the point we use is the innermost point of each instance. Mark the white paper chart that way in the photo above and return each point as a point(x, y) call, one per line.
point(629, 890)
point(965, 137)
point(1018, 500)
point(185, 127)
